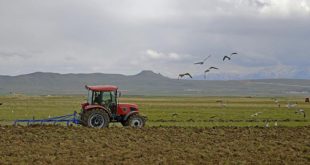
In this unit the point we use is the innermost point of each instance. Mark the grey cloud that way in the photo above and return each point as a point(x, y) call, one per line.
point(259, 3)
point(12, 54)
point(72, 34)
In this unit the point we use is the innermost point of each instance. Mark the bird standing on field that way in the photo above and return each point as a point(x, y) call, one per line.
point(289, 105)
point(302, 112)
point(267, 124)
point(256, 114)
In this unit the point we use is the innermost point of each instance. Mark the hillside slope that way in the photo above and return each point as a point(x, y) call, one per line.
point(149, 83)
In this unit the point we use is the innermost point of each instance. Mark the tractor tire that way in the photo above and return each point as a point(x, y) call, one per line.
point(96, 118)
point(135, 121)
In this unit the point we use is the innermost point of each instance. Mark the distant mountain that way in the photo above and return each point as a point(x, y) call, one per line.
point(265, 73)
point(149, 83)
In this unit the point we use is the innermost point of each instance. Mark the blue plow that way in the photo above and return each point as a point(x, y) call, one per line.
point(71, 118)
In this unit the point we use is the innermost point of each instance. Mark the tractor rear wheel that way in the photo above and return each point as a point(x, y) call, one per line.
point(96, 118)
point(135, 121)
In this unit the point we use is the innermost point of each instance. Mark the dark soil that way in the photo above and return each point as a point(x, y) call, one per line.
point(155, 145)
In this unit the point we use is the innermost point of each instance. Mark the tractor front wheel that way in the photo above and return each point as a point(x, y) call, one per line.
point(96, 118)
point(135, 121)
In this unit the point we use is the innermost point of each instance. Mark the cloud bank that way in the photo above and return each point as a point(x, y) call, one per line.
point(272, 37)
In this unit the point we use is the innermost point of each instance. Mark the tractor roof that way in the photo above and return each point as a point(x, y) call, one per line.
point(103, 88)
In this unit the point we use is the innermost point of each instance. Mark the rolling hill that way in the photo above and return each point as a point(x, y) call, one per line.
point(149, 83)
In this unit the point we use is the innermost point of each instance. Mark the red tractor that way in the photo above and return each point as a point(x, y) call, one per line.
point(102, 107)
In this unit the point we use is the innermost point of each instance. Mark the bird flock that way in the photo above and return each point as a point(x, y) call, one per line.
point(290, 105)
point(225, 58)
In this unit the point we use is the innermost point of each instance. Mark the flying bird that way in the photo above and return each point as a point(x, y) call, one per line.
point(212, 67)
point(184, 74)
point(208, 70)
point(203, 61)
point(233, 54)
point(226, 57)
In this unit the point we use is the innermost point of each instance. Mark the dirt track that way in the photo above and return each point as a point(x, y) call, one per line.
point(69, 145)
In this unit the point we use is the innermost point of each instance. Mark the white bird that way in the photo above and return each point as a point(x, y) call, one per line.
point(267, 124)
point(276, 123)
point(275, 100)
point(289, 105)
point(256, 114)
point(301, 111)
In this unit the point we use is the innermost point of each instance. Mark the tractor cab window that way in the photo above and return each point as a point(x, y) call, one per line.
point(109, 97)
point(97, 97)
point(113, 96)
point(106, 97)
point(89, 97)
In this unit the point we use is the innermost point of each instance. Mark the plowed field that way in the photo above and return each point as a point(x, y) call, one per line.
point(154, 145)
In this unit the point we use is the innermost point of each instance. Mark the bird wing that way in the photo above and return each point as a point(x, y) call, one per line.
point(198, 62)
point(213, 67)
point(226, 57)
point(233, 54)
point(206, 58)
point(188, 75)
point(208, 70)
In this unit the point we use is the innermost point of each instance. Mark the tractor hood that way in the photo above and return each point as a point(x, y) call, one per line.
point(128, 105)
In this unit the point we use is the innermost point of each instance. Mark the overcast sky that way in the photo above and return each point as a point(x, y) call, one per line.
point(272, 37)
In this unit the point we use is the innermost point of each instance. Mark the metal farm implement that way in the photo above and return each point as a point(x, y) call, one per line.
point(72, 118)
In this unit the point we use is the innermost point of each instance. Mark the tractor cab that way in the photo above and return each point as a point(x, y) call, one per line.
point(102, 107)
point(105, 96)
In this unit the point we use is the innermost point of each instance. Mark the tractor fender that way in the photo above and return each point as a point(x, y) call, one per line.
point(91, 107)
point(129, 114)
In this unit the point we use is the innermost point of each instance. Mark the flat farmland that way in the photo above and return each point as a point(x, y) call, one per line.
point(179, 130)
point(154, 145)
point(172, 111)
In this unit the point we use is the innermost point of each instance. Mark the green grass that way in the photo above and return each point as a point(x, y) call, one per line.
point(169, 111)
